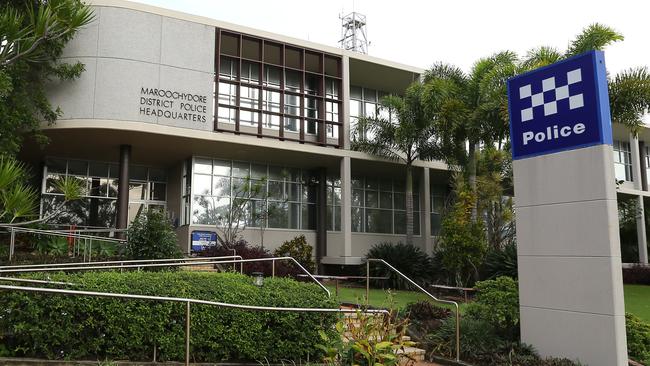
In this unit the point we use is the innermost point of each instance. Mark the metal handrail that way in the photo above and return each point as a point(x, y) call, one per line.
point(368, 260)
point(41, 282)
point(272, 260)
point(188, 301)
point(93, 266)
point(16, 229)
point(128, 261)
point(62, 233)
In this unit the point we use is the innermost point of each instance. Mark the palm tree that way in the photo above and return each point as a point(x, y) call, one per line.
point(470, 108)
point(405, 134)
point(629, 91)
point(19, 200)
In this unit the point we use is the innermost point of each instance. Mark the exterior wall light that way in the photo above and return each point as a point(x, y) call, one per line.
point(258, 279)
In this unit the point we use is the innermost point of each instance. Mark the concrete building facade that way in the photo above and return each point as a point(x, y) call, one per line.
point(187, 109)
point(190, 109)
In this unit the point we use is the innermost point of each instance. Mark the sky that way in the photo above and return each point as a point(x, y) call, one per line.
point(420, 33)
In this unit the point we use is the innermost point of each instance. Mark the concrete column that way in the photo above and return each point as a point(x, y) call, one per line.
point(426, 211)
point(345, 69)
point(637, 177)
point(570, 278)
point(346, 205)
point(641, 234)
point(123, 188)
point(321, 226)
point(643, 166)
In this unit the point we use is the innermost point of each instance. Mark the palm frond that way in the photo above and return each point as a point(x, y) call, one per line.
point(541, 56)
point(595, 37)
point(629, 96)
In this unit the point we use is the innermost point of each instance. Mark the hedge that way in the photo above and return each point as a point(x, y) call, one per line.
point(76, 327)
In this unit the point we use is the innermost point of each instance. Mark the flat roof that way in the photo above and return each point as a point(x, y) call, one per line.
point(254, 32)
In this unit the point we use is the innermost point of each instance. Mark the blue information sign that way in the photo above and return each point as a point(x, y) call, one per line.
point(203, 239)
point(563, 106)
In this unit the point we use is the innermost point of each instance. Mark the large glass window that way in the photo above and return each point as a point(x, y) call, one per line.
point(365, 102)
point(379, 206)
point(622, 161)
point(284, 88)
point(276, 197)
point(97, 206)
point(438, 197)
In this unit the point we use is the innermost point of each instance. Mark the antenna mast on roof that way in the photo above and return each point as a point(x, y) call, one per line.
point(353, 33)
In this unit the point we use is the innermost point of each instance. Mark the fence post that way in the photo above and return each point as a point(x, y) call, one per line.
point(187, 334)
point(273, 268)
point(367, 282)
point(12, 243)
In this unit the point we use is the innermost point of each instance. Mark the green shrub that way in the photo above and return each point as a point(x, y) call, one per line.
point(151, 236)
point(478, 337)
point(482, 345)
point(56, 326)
point(501, 262)
point(497, 302)
point(462, 244)
point(408, 259)
point(636, 275)
point(366, 340)
point(299, 249)
point(638, 338)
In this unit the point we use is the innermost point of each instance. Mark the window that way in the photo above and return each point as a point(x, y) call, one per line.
point(438, 197)
point(647, 160)
point(379, 206)
point(97, 206)
point(275, 86)
point(227, 94)
point(333, 204)
point(283, 198)
point(365, 102)
point(622, 161)
point(250, 72)
point(228, 68)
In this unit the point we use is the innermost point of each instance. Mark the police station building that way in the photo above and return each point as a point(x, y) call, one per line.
point(188, 107)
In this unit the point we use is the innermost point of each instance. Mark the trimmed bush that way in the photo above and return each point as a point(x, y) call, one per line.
point(151, 236)
point(638, 338)
point(636, 275)
point(481, 345)
point(497, 302)
point(501, 262)
point(299, 249)
point(71, 327)
point(247, 251)
point(408, 259)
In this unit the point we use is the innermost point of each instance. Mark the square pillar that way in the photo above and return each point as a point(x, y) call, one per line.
point(345, 110)
point(346, 205)
point(426, 212)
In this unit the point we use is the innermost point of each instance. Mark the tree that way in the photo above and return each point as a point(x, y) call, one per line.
point(152, 236)
point(232, 216)
point(405, 134)
point(629, 91)
point(471, 108)
point(19, 200)
point(33, 34)
point(462, 246)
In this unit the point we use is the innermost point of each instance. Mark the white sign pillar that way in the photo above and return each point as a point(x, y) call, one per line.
point(570, 279)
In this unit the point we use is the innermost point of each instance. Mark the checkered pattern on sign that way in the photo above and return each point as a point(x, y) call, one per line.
point(561, 92)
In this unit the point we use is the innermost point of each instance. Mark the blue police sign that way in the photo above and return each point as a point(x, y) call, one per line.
point(559, 107)
point(201, 240)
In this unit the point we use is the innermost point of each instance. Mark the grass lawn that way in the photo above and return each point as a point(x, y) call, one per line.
point(637, 298)
point(380, 298)
point(637, 301)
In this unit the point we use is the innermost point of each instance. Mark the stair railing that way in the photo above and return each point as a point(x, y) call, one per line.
point(455, 304)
